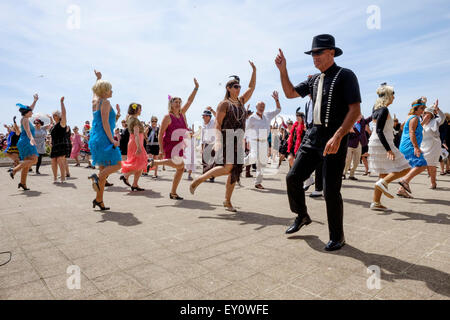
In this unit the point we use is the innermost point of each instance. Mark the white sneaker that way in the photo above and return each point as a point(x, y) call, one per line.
point(379, 207)
point(316, 194)
point(380, 186)
point(308, 183)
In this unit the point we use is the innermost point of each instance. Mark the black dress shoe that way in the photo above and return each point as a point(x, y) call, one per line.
point(335, 245)
point(298, 224)
point(107, 184)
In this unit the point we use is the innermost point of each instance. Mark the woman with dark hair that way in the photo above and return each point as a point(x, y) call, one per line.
point(26, 144)
point(137, 157)
point(11, 150)
point(410, 146)
point(171, 138)
point(230, 128)
point(103, 147)
point(59, 144)
point(153, 143)
point(284, 136)
point(124, 139)
point(295, 136)
point(68, 150)
point(40, 136)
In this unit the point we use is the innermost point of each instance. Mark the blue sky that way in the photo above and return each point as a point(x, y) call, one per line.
point(149, 49)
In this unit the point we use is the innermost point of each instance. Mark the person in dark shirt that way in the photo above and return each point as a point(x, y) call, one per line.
point(336, 100)
point(444, 131)
point(124, 138)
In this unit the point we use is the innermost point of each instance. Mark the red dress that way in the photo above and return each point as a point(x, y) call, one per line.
point(135, 162)
point(173, 140)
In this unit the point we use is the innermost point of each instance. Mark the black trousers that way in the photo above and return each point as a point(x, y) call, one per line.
point(308, 160)
point(39, 162)
point(319, 178)
point(207, 148)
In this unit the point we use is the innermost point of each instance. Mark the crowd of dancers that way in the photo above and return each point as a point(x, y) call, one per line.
point(330, 138)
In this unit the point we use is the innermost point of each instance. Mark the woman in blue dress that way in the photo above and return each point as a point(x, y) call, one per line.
point(410, 146)
point(26, 144)
point(104, 149)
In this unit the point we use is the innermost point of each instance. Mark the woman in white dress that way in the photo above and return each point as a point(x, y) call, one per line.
point(431, 144)
point(384, 159)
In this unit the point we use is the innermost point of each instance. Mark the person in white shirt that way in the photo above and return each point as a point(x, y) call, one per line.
point(207, 139)
point(257, 130)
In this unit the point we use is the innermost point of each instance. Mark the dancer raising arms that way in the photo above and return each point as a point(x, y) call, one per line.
point(11, 150)
point(59, 143)
point(26, 144)
point(136, 156)
point(384, 157)
point(103, 147)
point(171, 135)
point(431, 145)
point(231, 118)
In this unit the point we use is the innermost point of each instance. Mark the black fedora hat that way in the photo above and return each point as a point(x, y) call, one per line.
point(324, 41)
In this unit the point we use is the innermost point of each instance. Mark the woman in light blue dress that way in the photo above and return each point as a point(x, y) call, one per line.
point(26, 144)
point(104, 149)
point(410, 146)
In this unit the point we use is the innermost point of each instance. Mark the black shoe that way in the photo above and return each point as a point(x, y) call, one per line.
point(67, 175)
point(298, 224)
point(175, 197)
point(38, 173)
point(353, 178)
point(23, 187)
point(95, 184)
point(100, 205)
point(125, 181)
point(211, 180)
point(107, 184)
point(335, 245)
point(137, 189)
point(11, 174)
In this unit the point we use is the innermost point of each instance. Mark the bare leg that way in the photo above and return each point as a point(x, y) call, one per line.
point(62, 167)
point(55, 169)
point(377, 193)
point(414, 172)
point(442, 166)
point(432, 170)
point(137, 175)
point(26, 165)
point(102, 176)
point(229, 190)
point(66, 166)
point(177, 179)
point(213, 173)
point(366, 164)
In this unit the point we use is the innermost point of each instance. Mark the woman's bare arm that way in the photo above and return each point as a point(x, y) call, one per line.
point(63, 114)
point(191, 98)
point(251, 87)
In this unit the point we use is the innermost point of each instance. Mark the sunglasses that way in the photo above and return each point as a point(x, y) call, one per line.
point(236, 86)
point(154, 121)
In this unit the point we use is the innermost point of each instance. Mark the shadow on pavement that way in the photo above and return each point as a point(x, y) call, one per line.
point(191, 204)
point(263, 220)
point(435, 280)
point(123, 219)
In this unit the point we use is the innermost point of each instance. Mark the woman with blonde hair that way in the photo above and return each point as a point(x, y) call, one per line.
point(104, 149)
point(171, 135)
point(229, 143)
point(431, 145)
point(410, 145)
point(385, 159)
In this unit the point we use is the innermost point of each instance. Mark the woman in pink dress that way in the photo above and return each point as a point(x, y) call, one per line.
point(171, 138)
point(76, 146)
point(137, 158)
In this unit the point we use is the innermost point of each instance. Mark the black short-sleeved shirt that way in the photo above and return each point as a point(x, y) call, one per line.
point(345, 92)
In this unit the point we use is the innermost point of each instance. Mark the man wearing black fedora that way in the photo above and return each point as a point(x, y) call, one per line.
point(336, 106)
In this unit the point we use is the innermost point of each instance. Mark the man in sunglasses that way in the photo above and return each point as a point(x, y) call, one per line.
point(208, 138)
point(336, 102)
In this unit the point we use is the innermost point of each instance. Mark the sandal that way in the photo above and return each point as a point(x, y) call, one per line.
point(405, 185)
point(404, 194)
point(229, 207)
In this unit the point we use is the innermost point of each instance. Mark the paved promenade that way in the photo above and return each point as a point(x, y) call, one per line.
point(150, 247)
